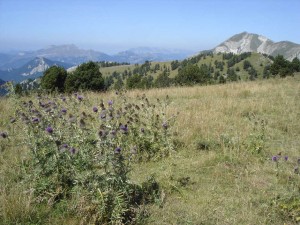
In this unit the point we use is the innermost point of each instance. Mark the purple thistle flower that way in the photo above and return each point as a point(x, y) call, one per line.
point(65, 145)
point(95, 109)
point(42, 104)
point(80, 97)
point(49, 130)
point(35, 120)
point(72, 150)
point(124, 128)
point(165, 125)
point(64, 99)
point(142, 130)
point(110, 102)
point(275, 158)
point(117, 150)
point(113, 133)
point(64, 110)
point(286, 158)
point(102, 116)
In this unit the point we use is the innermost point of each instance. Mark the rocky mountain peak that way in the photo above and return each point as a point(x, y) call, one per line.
point(249, 42)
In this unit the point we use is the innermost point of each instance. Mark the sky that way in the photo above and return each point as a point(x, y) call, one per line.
point(112, 26)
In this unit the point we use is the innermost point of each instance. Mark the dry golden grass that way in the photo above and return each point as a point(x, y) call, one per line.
point(228, 183)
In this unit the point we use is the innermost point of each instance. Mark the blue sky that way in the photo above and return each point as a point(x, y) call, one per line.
point(115, 25)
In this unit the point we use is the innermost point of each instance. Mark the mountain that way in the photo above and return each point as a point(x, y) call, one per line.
point(142, 54)
point(248, 42)
point(73, 55)
point(63, 53)
point(30, 70)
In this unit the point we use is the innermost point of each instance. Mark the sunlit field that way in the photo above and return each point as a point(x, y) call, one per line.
point(233, 158)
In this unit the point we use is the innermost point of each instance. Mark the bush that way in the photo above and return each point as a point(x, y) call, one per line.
point(54, 79)
point(86, 77)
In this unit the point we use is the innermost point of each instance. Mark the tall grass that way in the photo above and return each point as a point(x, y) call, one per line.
point(223, 171)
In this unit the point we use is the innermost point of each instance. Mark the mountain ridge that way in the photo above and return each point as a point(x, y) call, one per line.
point(31, 70)
point(73, 55)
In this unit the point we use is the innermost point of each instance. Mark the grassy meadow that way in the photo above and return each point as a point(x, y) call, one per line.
point(222, 171)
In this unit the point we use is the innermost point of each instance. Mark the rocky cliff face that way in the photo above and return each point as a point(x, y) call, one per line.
point(247, 42)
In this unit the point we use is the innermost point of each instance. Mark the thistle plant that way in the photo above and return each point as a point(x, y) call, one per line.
point(79, 146)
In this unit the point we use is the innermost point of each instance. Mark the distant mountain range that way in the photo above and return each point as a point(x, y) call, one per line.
point(71, 54)
point(247, 42)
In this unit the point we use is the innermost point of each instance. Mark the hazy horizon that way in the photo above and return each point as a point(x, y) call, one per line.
point(114, 26)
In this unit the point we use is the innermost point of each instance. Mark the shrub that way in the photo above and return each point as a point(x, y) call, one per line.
point(86, 77)
point(54, 79)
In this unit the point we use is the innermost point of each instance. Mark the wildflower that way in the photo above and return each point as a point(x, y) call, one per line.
point(286, 158)
point(165, 125)
point(42, 104)
point(142, 130)
point(113, 133)
point(3, 134)
point(95, 109)
point(275, 158)
point(110, 102)
point(72, 150)
point(35, 120)
point(80, 98)
point(65, 146)
point(64, 110)
point(124, 128)
point(117, 150)
point(64, 99)
point(103, 116)
point(49, 130)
